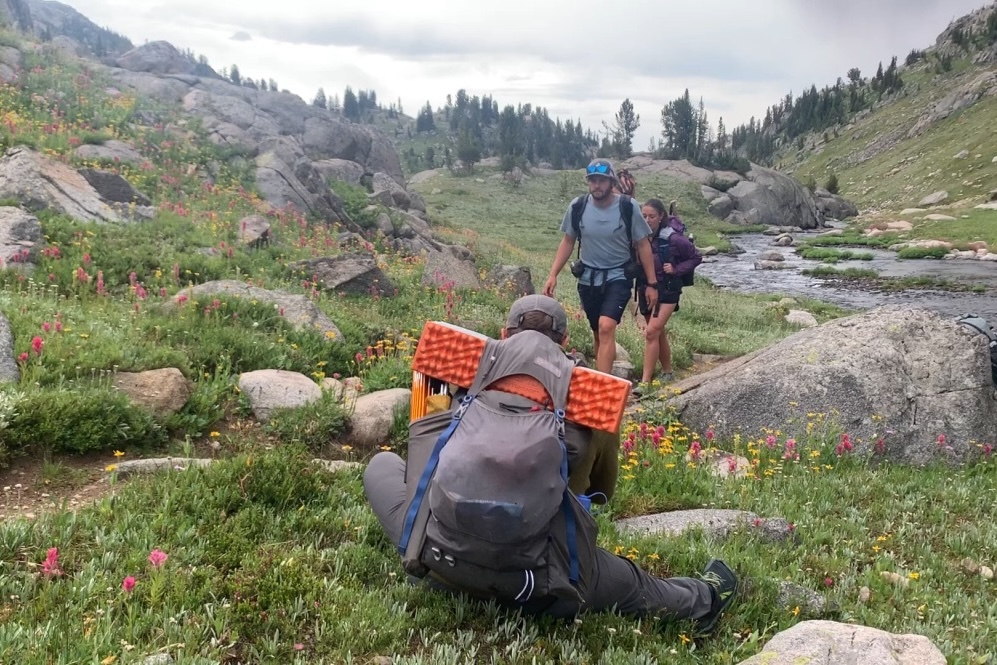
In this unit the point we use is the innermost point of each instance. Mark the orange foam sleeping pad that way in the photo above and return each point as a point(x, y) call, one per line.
point(451, 354)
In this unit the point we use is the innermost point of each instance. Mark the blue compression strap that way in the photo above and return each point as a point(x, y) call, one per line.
point(427, 473)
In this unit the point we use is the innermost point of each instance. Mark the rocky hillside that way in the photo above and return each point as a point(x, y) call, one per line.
point(936, 135)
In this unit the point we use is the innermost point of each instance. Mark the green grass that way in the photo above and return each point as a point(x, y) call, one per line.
point(917, 166)
point(871, 278)
point(832, 255)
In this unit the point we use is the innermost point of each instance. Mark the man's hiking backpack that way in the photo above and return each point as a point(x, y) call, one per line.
point(979, 324)
point(628, 185)
point(489, 511)
point(632, 267)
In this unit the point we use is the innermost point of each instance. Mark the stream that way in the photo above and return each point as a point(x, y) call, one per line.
point(738, 272)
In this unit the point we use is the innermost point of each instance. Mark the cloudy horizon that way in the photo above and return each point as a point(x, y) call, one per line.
point(579, 60)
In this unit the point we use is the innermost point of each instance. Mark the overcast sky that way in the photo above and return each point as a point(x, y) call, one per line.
point(578, 58)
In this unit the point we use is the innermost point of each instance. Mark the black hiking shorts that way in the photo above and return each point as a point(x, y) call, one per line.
point(609, 299)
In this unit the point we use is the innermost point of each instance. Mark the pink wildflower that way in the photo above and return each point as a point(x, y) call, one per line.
point(880, 446)
point(988, 449)
point(941, 439)
point(710, 435)
point(695, 450)
point(128, 584)
point(58, 326)
point(51, 566)
point(37, 343)
point(46, 326)
point(828, 582)
point(770, 441)
point(157, 557)
point(23, 357)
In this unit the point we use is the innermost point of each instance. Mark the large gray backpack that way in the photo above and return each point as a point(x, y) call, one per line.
point(489, 509)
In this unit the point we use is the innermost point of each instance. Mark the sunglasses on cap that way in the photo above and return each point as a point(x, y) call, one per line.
point(597, 168)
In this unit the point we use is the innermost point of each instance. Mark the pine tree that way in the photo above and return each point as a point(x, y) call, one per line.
point(320, 100)
point(626, 126)
point(351, 108)
point(234, 75)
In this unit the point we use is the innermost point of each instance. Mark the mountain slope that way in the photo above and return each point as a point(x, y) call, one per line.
point(937, 135)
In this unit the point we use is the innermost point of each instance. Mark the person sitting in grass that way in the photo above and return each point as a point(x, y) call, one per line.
point(538, 555)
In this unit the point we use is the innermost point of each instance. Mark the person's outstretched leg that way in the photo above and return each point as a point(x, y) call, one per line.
point(384, 486)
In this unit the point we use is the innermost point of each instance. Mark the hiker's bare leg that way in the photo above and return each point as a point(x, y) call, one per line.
point(656, 343)
point(606, 344)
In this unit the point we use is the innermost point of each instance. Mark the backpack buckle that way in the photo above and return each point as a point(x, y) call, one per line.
point(437, 554)
point(450, 560)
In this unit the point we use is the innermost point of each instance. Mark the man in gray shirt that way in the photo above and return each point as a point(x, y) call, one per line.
point(603, 285)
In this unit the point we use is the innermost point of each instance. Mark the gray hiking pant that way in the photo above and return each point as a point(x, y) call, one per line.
point(618, 583)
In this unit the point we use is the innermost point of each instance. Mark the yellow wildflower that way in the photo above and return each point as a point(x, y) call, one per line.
point(118, 453)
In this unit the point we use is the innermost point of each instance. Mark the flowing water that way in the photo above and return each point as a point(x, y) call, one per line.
point(738, 273)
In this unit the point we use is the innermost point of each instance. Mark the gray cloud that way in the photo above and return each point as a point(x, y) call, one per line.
point(241, 36)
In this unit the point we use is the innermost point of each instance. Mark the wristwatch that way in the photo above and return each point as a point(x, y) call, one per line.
point(652, 285)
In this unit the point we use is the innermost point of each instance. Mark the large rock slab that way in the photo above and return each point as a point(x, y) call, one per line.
point(20, 234)
point(778, 199)
point(448, 267)
point(301, 312)
point(832, 643)
point(353, 273)
point(41, 183)
point(110, 151)
point(272, 389)
point(903, 375)
point(9, 371)
point(834, 206)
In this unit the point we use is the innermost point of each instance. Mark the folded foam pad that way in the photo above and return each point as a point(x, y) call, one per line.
point(451, 354)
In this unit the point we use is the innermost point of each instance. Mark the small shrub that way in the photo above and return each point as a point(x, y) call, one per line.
point(832, 184)
point(79, 419)
point(355, 202)
point(922, 253)
point(810, 183)
point(313, 425)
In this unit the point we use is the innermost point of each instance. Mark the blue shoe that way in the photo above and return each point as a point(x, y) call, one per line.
point(723, 588)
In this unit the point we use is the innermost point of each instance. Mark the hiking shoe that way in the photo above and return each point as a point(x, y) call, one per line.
point(666, 377)
point(723, 588)
point(641, 390)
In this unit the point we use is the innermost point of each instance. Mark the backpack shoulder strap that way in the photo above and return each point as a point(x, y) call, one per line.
point(531, 353)
point(666, 233)
point(577, 208)
point(627, 212)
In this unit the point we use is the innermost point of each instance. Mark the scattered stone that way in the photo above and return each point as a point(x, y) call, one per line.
point(623, 369)
point(771, 255)
point(353, 273)
point(272, 389)
point(799, 317)
point(899, 225)
point(9, 370)
point(254, 231)
point(791, 595)
point(162, 391)
point(865, 595)
point(986, 573)
point(962, 154)
point(785, 240)
point(158, 659)
point(911, 211)
point(895, 578)
point(622, 353)
point(156, 464)
point(710, 250)
point(786, 302)
point(374, 414)
point(20, 237)
point(110, 151)
point(770, 265)
point(986, 206)
point(831, 643)
point(832, 232)
point(729, 466)
point(939, 218)
point(514, 280)
point(335, 465)
point(934, 199)
point(715, 523)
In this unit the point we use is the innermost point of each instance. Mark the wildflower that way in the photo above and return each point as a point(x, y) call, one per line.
point(298, 646)
point(988, 449)
point(118, 453)
point(37, 343)
point(828, 582)
point(347, 448)
point(685, 639)
point(23, 357)
point(111, 467)
point(51, 566)
point(215, 435)
point(157, 557)
point(58, 326)
point(941, 439)
point(128, 584)
point(880, 446)
point(913, 575)
point(795, 611)
point(710, 435)
point(46, 326)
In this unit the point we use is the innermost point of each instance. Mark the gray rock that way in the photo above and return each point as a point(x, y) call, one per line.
point(254, 231)
point(714, 523)
point(352, 273)
point(623, 369)
point(512, 280)
point(20, 235)
point(934, 199)
point(157, 57)
point(771, 255)
point(41, 183)
point(272, 389)
point(833, 206)
point(341, 170)
point(919, 374)
point(962, 154)
point(373, 414)
point(156, 465)
point(299, 310)
point(831, 643)
point(799, 317)
point(443, 267)
point(158, 659)
point(112, 188)
point(811, 603)
point(9, 371)
point(337, 465)
point(721, 206)
point(778, 198)
point(770, 265)
point(163, 391)
point(110, 151)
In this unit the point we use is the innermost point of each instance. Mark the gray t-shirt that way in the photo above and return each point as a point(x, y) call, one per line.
point(604, 239)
